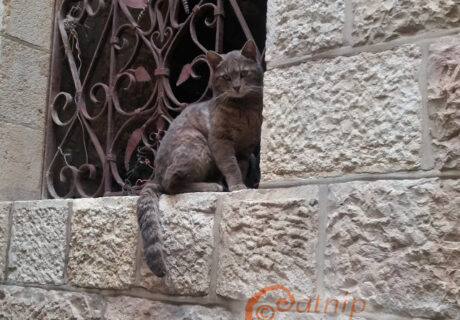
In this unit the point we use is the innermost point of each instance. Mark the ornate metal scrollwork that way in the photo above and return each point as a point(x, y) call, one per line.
point(122, 70)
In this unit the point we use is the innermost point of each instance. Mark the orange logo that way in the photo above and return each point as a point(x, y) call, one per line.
point(268, 312)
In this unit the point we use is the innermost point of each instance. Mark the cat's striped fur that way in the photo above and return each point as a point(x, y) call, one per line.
point(207, 142)
point(149, 224)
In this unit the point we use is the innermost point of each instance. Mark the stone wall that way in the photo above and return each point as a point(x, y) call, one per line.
point(362, 88)
point(360, 196)
point(25, 40)
point(359, 91)
point(393, 243)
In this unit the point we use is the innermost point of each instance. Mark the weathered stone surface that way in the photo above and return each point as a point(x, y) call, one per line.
point(3, 13)
point(396, 244)
point(127, 308)
point(188, 221)
point(32, 303)
point(23, 84)
point(5, 208)
point(103, 242)
point(376, 21)
point(260, 311)
point(21, 159)
point(300, 27)
point(444, 102)
point(344, 115)
point(38, 241)
point(268, 239)
point(19, 19)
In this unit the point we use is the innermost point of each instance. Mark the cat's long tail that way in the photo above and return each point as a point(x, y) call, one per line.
point(149, 223)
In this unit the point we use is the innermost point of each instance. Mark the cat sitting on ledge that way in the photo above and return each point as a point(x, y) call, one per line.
point(208, 142)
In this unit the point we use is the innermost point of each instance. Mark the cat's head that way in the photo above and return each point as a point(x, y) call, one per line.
point(236, 74)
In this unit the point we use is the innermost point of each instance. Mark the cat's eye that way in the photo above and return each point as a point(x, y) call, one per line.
point(226, 77)
point(244, 73)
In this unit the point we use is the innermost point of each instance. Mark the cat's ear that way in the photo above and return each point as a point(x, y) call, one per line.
point(214, 59)
point(249, 50)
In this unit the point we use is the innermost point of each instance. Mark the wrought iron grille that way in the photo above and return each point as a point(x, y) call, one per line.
point(121, 71)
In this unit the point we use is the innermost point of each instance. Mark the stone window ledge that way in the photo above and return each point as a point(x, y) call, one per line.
point(365, 238)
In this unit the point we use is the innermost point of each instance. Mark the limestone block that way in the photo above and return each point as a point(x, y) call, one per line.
point(265, 310)
point(377, 21)
point(127, 308)
point(268, 239)
point(21, 160)
point(300, 27)
point(38, 241)
point(23, 83)
point(444, 102)
point(396, 245)
point(343, 115)
point(33, 303)
point(20, 19)
point(5, 208)
point(103, 242)
point(187, 221)
point(3, 13)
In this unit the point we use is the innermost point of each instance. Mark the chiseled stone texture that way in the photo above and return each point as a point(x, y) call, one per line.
point(21, 159)
point(268, 238)
point(5, 208)
point(38, 241)
point(23, 84)
point(103, 242)
point(444, 101)
point(376, 21)
point(127, 308)
point(33, 303)
point(292, 314)
point(188, 221)
point(3, 12)
point(19, 19)
point(343, 115)
point(396, 244)
point(300, 27)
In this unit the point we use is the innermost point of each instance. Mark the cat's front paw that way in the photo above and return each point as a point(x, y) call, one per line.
point(237, 187)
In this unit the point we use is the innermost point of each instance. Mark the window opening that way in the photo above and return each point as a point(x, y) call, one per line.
point(122, 70)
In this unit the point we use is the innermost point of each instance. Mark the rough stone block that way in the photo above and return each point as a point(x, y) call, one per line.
point(300, 27)
point(23, 83)
point(3, 13)
point(268, 239)
point(124, 308)
point(377, 21)
point(188, 221)
point(21, 159)
point(343, 115)
point(396, 245)
point(267, 309)
point(444, 102)
point(103, 242)
point(19, 19)
point(33, 303)
point(5, 208)
point(38, 241)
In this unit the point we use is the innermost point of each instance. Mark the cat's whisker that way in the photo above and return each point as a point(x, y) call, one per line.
point(255, 90)
point(223, 97)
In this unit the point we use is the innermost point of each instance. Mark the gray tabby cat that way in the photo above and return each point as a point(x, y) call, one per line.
point(206, 141)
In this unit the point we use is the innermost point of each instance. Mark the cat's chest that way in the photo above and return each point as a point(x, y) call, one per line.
point(240, 126)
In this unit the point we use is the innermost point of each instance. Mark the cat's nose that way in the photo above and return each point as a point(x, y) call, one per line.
point(237, 88)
